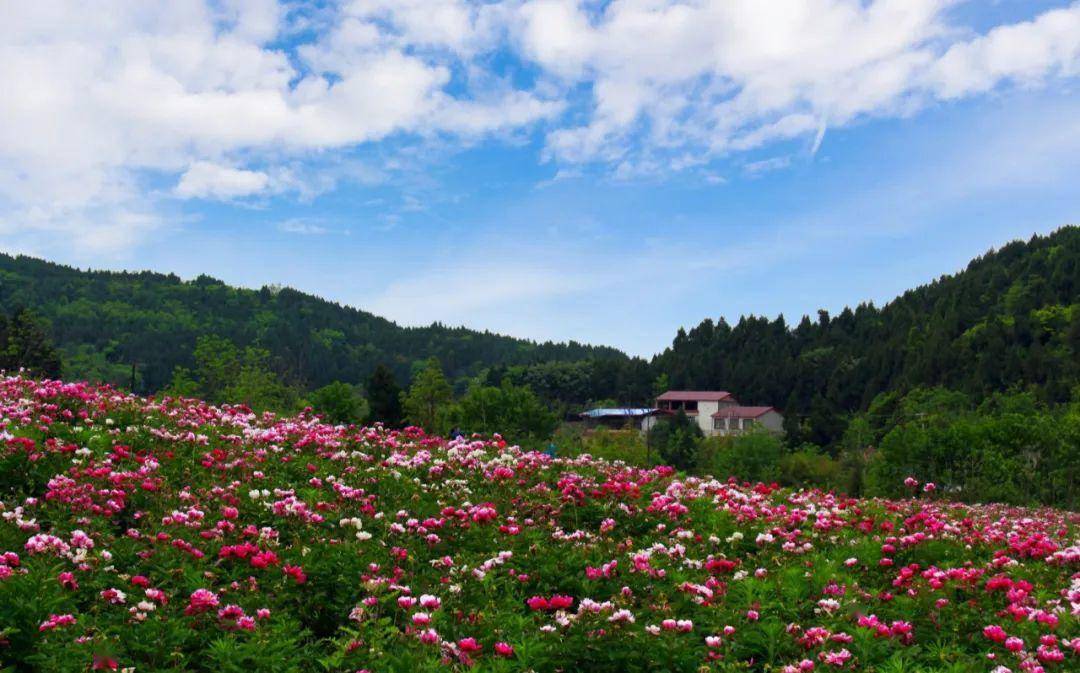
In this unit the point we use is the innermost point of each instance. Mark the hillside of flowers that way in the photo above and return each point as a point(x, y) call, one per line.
point(171, 535)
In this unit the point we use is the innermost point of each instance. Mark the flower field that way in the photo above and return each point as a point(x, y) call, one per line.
point(175, 536)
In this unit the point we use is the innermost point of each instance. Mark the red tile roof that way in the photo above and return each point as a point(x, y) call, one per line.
point(694, 396)
point(742, 412)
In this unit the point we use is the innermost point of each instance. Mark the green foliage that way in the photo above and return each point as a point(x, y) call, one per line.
point(677, 441)
point(427, 400)
point(607, 443)
point(225, 374)
point(153, 321)
point(1011, 319)
point(808, 466)
point(1011, 448)
point(25, 344)
point(339, 402)
point(384, 397)
point(752, 456)
point(86, 362)
point(512, 411)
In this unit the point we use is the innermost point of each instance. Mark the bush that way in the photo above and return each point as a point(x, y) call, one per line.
point(513, 411)
point(339, 402)
point(808, 466)
point(677, 441)
point(754, 456)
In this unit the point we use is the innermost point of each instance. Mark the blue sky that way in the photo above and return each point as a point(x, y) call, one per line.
point(598, 171)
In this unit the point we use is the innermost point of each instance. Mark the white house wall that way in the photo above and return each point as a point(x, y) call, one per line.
point(704, 416)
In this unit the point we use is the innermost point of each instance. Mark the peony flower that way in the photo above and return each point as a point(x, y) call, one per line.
point(469, 645)
point(995, 633)
point(836, 658)
point(200, 601)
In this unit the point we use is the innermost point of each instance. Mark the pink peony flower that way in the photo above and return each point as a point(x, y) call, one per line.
point(469, 645)
point(995, 633)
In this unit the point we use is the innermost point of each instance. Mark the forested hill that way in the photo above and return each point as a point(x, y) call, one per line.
point(1011, 319)
point(105, 321)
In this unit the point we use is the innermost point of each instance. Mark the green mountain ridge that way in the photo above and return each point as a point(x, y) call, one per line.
point(105, 322)
point(1010, 320)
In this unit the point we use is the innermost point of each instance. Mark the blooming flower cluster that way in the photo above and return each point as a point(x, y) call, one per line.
point(168, 534)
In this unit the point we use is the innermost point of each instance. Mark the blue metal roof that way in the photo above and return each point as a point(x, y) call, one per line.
point(623, 412)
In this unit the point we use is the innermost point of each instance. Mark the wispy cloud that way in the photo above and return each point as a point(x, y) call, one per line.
point(302, 226)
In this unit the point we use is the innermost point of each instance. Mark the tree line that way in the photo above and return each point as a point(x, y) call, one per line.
point(1008, 324)
point(1010, 447)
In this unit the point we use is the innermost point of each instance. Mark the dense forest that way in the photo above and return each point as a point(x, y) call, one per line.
point(135, 329)
point(1010, 321)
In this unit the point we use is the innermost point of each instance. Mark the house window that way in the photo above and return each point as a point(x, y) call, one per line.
point(718, 424)
point(691, 406)
point(747, 423)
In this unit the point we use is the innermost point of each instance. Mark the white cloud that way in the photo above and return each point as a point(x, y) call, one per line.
point(103, 100)
point(719, 76)
point(1026, 52)
point(209, 180)
point(302, 226)
point(98, 96)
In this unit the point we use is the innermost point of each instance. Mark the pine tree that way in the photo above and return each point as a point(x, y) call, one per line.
point(384, 397)
point(428, 395)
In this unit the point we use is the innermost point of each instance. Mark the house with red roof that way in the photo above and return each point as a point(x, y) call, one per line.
point(716, 412)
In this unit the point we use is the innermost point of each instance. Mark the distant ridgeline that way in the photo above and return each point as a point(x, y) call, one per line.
point(1011, 320)
point(106, 322)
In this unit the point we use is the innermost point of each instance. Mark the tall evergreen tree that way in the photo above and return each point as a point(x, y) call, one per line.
point(428, 397)
point(384, 397)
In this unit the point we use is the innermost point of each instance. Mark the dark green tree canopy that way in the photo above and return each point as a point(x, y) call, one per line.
point(25, 343)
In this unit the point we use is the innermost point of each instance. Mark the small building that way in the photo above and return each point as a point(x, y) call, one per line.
point(735, 419)
point(616, 417)
point(716, 412)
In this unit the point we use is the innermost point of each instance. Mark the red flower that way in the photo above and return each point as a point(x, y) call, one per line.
point(537, 603)
point(469, 645)
point(295, 572)
point(995, 633)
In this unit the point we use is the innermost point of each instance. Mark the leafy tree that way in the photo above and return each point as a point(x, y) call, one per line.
point(258, 387)
point(428, 397)
point(512, 411)
point(809, 466)
point(751, 456)
point(661, 385)
point(225, 374)
point(384, 397)
point(677, 441)
point(25, 344)
point(183, 384)
point(88, 363)
point(339, 402)
point(1010, 448)
point(217, 365)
